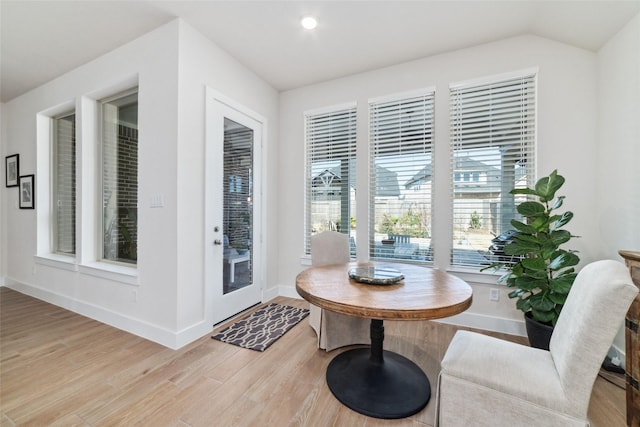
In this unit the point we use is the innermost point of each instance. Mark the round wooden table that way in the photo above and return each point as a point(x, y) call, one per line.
point(373, 381)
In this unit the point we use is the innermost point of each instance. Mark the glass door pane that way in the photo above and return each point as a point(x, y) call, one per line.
point(238, 207)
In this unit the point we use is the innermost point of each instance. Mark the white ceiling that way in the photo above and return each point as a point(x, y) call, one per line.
point(41, 40)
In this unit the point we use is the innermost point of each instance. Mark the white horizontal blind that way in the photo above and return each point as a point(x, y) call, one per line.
point(330, 172)
point(401, 176)
point(492, 145)
point(64, 184)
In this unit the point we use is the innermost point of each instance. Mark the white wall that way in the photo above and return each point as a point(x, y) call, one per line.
point(165, 302)
point(203, 64)
point(566, 141)
point(150, 60)
point(618, 167)
point(617, 190)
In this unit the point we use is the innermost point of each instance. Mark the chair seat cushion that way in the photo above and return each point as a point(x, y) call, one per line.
point(519, 371)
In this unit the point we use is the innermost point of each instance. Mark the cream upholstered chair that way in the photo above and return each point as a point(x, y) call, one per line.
point(486, 381)
point(333, 329)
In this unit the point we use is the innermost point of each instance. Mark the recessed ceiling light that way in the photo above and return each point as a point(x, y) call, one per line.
point(309, 23)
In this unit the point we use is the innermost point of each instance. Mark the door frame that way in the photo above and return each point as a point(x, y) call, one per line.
point(217, 107)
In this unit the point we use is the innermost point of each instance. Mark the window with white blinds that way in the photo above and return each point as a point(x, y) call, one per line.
point(330, 140)
point(401, 175)
point(492, 145)
point(64, 183)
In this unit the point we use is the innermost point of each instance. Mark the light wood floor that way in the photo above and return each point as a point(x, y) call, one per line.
point(59, 368)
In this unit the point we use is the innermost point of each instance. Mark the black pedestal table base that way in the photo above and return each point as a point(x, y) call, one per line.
point(378, 383)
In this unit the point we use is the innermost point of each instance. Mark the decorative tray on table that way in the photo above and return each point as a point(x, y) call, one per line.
point(376, 275)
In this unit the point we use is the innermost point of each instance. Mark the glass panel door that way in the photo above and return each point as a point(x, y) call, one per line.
point(238, 206)
point(233, 253)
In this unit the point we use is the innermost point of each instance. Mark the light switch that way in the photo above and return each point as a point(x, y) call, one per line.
point(156, 201)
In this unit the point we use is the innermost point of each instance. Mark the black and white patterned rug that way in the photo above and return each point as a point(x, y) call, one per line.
point(263, 327)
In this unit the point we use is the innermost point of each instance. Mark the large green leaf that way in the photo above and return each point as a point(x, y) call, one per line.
point(564, 219)
point(525, 228)
point(541, 302)
point(558, 299)
point(534, 264)
point(559, 237)
point(563, 259)
point(536, 274)
point(558, 202)
point(523, 304)
point(562, 284)
point(524, 191)
point(517, 269)
point(546, 187)
point(569, 273)
point(526, 238)
point(544, 316)
point(520, 248)
point(530, 283)
point(553, 219)
point(531, 209)
point(541, 223)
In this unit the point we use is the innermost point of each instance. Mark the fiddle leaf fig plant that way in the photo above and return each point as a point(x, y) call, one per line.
point(543, 274)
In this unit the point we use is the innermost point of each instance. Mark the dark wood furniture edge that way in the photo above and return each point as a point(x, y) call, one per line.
point(632, 342)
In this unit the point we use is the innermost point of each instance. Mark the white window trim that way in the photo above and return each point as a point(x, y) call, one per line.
point(53, 184)
point(104, 263)
point(88, 221)
point(305, 257)
point(329, 109)
point(468, 272)
point(114, 272)
point(401, 96)
point(494, 78)
point(398, 97)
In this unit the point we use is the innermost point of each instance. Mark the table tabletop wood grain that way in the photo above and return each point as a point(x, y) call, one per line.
point(424, 293)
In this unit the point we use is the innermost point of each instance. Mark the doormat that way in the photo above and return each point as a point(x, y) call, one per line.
point(263, 327)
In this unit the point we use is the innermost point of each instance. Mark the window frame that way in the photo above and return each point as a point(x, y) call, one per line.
point(349, 110)
point(54, 150)
point(100, 226)
point(380, 112)
point(527, 142)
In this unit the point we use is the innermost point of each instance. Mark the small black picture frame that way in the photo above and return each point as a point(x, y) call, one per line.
point(12, 170)
point(27, 192)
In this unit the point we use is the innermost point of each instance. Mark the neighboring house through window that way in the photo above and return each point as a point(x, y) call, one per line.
point(330, 137)
point(119, 201)
point(492, 152)
point(401, 172)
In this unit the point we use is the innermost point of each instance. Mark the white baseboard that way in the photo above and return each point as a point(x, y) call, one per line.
point(288, 291)
point(620, 353)
point(163, 336)
point(269, 294)
point(487, 323)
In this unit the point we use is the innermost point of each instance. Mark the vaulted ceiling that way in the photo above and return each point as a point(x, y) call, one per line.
point(41, 40)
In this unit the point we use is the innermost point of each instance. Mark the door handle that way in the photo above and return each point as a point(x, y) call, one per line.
point(217, 242)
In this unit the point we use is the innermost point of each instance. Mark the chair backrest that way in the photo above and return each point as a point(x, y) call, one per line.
point(596, 306)
point(329, 247)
